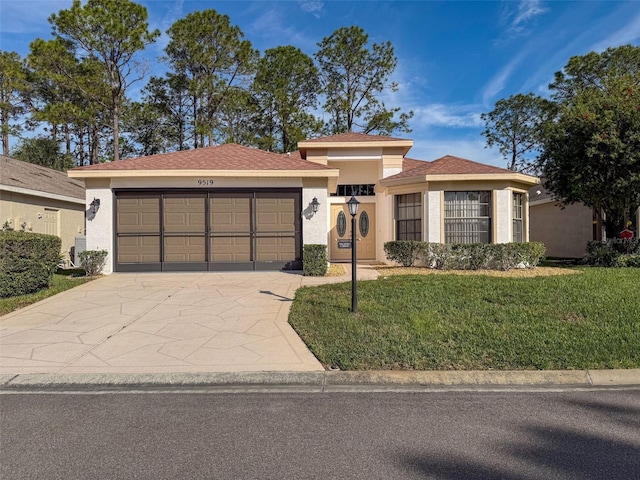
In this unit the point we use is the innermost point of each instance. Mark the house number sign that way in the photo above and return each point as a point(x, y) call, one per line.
point(205, 182)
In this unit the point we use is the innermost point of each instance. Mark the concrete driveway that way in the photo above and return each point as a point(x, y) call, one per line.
point(163, 322)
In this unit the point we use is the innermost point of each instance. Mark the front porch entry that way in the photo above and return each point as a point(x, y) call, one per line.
point(340, 237)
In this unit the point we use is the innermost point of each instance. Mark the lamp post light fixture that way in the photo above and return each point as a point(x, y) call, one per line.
point(314, 205)
point(353, 211)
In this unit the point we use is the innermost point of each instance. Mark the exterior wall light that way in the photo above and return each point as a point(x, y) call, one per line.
point(353, 211)
point(94, 206)
point(314, 205)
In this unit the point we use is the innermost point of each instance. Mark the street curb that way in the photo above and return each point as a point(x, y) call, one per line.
point(327, 380)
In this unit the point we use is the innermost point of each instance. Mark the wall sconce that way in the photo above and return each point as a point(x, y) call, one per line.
point(314, 205)
point(94, 206)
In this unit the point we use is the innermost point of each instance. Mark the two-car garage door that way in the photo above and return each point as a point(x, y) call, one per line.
point(216, 230)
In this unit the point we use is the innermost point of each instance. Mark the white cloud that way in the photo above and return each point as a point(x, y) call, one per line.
point(627, 34)
point(498, 82)
point(440, 115)
point(313, 7)
point(519, 18)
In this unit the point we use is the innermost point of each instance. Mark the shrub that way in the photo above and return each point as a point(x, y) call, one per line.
point(615, 252)
point(405, 252)
point(27, 261)
point(93, 261)
point(314, 260)
point(438, 256)
point(475, 256)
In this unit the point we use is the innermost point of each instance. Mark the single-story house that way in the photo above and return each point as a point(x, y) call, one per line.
point(564, 230)
point(38, 199)
point(231, 207)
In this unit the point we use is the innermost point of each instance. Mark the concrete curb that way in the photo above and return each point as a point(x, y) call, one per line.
point(327, 380)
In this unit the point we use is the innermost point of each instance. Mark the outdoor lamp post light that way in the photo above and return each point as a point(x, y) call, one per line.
point(353, 211)
point(314, 205)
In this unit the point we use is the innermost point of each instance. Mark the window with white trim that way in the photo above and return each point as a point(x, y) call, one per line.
point(467, 217)
point(518, 217)
point(409, 217)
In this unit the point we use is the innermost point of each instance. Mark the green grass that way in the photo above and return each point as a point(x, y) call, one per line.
point(59, 283)
point(444, 322)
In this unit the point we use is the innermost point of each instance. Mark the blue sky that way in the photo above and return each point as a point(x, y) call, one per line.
point(455, 59)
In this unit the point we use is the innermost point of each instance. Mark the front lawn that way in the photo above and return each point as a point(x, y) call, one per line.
point(444, 322)
point(59, 283)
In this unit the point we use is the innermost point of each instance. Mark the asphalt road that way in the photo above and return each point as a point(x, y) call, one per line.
point(437, 435)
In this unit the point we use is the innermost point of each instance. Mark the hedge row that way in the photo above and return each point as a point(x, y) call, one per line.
point(615, 252)
point(27, 261)
point(314, 260)
point(475, 256)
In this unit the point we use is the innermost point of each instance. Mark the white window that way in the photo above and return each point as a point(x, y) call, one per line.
point(409, 217)
point(467, 217)
point(517, 217)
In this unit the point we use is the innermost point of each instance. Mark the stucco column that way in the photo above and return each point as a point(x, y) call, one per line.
point(100, 227)
point(315, 227)
point(502, 216)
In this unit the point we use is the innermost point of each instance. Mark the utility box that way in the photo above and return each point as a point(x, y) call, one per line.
point(79, 246)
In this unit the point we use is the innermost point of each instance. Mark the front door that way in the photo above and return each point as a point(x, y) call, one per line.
point(340, 249)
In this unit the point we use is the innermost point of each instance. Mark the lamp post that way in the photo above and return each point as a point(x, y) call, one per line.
point(353, 211)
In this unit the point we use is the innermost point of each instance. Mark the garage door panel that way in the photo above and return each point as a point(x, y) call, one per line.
point(231, 249)
point(184, 214)
point(276, 249)
point(230, 214)
point(184, 249)
point(139, 249)
point(138, 215)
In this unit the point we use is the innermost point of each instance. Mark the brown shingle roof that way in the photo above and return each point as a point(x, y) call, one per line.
point(222, 157)
point(16, 173)
point(355, 137)
point(447, 165)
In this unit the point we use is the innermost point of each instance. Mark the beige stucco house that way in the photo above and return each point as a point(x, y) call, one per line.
point(230, 207)
point(41, 200)
point(564, 230)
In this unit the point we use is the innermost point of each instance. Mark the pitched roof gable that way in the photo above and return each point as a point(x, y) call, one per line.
point(222, 157)
point(447, 165)
point(18, 174)
point(354, 137)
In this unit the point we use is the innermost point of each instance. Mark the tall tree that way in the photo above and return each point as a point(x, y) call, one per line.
point(43, 151)
point(13, 87)
point(591, 152)
point(111, 31)
point(213, 56)
point(286, 86)
point(515, 127)
point(161, 121)
point(69, 94)
point(353, 78)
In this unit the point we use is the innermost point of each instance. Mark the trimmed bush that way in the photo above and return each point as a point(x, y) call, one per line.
point(27, 261)
point(404, 252)
point(475, 256)
point(314, 260)
point(93, 261)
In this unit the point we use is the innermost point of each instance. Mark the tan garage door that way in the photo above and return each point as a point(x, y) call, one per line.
point(213, 230)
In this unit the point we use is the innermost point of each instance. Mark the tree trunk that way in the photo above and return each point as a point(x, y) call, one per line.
point(116, 130)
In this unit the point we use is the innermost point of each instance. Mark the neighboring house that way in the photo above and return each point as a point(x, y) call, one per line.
point(230, 207)
point(41, 200)
point(564, 231)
